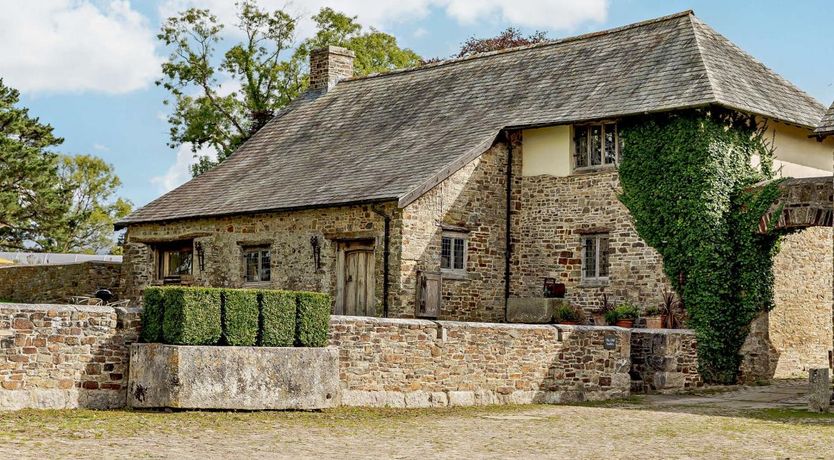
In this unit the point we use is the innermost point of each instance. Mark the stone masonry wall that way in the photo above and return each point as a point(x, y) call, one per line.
point(555, 213)
point(664, 360)
point(419, 363)
point(288, 236)
point(57, 283)
point(62, 356)
point(473, 199)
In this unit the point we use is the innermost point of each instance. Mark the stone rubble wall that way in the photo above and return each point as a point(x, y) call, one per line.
point(419, 363)
point(664, 360)
point(65, 356)
point(57, 283)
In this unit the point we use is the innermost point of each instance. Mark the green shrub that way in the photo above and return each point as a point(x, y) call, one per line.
point(277, 328)
point(192, 316)
point(312, 319)
point(240, 317)
point(152, 310)
point(624, 311)
point(568, 313)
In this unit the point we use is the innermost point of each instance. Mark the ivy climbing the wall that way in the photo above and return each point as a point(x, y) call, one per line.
point(686, 180)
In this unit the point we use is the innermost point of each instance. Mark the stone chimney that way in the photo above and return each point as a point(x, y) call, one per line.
point(328, 66)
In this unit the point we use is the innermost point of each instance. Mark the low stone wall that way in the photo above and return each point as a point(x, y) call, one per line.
point(57, 283)
point(419, 363)
point(664, 360)
point(61, 356)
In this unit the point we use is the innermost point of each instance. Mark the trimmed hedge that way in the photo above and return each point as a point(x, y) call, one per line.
point(152, 315)
point(192, 316)
point(312, 319)
point(278, 316)
point(240, 317)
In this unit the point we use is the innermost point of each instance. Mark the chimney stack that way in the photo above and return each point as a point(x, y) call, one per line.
point(328, 66)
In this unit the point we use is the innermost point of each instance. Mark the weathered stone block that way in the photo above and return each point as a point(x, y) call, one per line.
point(819, 390)
point(532, 310)
point(247, 378)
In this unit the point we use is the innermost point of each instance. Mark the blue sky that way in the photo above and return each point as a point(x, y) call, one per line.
point(87, 66)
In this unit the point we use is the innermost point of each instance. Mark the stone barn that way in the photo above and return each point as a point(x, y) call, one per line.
point(454, 189)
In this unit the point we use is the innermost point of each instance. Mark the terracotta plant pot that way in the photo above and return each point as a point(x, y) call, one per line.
point(655, 322)
point(599, 319)
point(626, 323)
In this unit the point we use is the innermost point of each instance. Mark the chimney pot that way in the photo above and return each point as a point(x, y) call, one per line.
point(328, 66)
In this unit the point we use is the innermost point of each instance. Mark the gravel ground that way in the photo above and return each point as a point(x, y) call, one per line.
point(656, 427)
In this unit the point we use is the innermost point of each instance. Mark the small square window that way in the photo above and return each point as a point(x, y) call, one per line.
point(256, 264)
point(595, 257)
point(596, 145)
point(453, 252)
point(174, 261)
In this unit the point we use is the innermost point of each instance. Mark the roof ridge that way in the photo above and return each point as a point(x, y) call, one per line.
point(548, 43)
point(707, 71)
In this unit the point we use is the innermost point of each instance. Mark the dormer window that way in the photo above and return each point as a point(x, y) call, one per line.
point(596, 145)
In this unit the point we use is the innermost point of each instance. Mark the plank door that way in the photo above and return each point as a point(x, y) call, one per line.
point(429, 296)
point(356, 279)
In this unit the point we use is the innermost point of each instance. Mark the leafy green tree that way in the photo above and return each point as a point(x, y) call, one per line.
point(87, 226)
point(262, 70)
point(32, 200)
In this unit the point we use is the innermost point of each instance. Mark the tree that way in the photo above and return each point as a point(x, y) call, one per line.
point(32, 200)
point(263, 70)
point(87, 226)
point(509, 38)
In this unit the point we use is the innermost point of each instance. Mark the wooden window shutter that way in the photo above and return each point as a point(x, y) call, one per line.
point(428, 294)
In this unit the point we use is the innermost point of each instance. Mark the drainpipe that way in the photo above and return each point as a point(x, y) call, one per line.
point(508, 229)
point(386, 253)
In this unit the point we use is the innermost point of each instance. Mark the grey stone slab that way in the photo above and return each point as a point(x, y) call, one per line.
point(244, 378)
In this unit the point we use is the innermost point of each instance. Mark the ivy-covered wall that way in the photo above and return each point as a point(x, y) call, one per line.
point(686, 179)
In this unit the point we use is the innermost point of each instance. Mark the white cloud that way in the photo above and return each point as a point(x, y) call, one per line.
point(101, 148)
point(546, 14)
point(180, 172)
point(76, 45)
point(420, 32)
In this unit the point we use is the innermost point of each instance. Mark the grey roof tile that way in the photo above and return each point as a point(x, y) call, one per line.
point(385, 137)
point(826, 126)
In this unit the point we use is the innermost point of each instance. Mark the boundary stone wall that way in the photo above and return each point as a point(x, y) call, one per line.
point(65, 356)
point(56, 283)
point(420, 363)
point(664, 360)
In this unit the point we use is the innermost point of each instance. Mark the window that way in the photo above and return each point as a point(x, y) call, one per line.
point(453, 252)
point(256, 264)
point(595, 257)
point(174, 261)
point(596, 145)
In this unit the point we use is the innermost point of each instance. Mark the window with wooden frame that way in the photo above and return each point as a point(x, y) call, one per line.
point(256, 264)
point(453, 252)
point(596, 145)
point(174, 261)
point(595, 257)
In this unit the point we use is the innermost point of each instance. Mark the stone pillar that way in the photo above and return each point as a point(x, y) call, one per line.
point(819, 391)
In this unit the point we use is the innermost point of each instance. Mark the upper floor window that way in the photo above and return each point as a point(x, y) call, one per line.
point(453, 252)
point(256, 264)
point(174, 261)
point(596, 145)
point(595, 257)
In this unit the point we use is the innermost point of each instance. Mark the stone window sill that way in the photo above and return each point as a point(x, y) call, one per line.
point(256, 284)
point(593, 170)
point(592, 283)
point(454, 275)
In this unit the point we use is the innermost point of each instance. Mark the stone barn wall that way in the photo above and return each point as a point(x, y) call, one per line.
point(57, 283)
point(418, 363)
point(664, 360)
point(62, 356)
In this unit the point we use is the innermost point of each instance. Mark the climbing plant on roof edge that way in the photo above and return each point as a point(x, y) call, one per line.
point(686, 180)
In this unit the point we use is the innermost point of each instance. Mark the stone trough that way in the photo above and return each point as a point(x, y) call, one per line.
point(240, 378)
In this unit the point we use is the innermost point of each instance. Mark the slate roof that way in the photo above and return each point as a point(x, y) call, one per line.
point(826, 126)
point(393, 136)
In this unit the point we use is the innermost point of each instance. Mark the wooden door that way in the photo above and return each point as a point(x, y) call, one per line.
point(356, 280)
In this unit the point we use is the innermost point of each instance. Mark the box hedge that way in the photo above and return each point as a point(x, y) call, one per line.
point(191, 316)
point(240, 317)
point(278, 317)
point(312, 319)
point(152, 315)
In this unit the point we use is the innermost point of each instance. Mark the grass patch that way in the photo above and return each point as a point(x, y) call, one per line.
point(793, 416)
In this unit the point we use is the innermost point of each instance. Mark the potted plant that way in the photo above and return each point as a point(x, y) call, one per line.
point(623, 316)
point(672, 310)
point(568, 314)
point(655, 319)
point(600, 315)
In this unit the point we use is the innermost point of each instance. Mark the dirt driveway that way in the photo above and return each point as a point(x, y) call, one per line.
point(752, 423)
